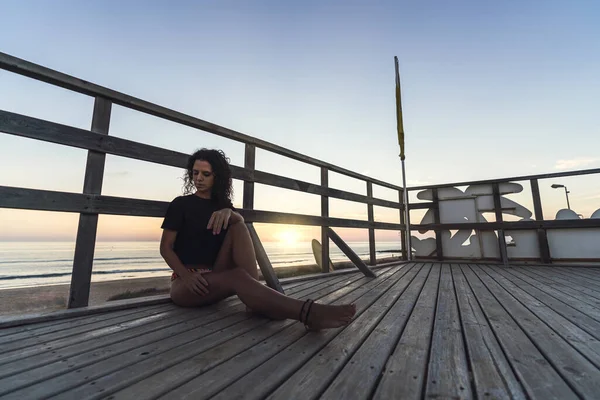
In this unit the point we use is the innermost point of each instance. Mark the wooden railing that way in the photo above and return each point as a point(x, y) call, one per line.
point(539, 224)
point(91, 203)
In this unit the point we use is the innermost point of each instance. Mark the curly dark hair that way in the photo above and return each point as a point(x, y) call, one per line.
point(222, 190)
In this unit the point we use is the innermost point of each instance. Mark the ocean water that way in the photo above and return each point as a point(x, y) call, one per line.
point(25, 264)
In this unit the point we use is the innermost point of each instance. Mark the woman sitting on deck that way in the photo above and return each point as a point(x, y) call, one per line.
point(209, 248)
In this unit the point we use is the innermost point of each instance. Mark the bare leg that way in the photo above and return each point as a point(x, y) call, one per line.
point(237, 251)
point(265, 300)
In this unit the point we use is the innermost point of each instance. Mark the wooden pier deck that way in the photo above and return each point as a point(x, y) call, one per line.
point(423, 330)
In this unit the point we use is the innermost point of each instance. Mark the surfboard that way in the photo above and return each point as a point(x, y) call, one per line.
point(316, 248)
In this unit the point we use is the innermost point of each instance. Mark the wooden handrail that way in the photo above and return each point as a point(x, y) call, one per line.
point(44, 74)
point(33, 128)
point(506, 180)
point(47, 200)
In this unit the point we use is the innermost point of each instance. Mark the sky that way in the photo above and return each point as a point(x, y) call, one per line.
point(490, 89)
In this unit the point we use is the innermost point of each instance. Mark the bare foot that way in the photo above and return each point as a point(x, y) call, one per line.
point(324, 316)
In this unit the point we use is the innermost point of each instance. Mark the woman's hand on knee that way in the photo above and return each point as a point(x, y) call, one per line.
point(219, 220)
point(195, 283)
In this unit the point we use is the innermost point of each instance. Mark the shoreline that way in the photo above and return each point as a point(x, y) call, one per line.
point(49, 298)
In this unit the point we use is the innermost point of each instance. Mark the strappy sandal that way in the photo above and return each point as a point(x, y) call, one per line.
point(304, 320)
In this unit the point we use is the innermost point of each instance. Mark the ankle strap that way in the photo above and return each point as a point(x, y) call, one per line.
point(310, 304)
point(302, 311)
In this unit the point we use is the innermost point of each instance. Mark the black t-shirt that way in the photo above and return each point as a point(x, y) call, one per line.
point(194, 244)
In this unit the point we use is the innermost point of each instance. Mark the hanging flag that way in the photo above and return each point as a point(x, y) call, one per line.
point(399, 112)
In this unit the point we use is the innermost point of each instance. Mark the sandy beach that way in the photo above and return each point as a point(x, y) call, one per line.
point(54, 297)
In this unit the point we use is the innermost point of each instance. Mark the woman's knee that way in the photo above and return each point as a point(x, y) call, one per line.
point(238, 228)
point(181, 297)
point(227, 279)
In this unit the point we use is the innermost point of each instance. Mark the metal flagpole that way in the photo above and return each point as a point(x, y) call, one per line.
point(400, 126)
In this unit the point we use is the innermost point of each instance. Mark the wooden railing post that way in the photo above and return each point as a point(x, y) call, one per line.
point(85, 244)
point(403, 222)
point(324, 213)
point(498, 211)
point(372, 256)
point(262, 258)
point(249, 164)
point(439, 251)
point(539, 216)
point(335, 238)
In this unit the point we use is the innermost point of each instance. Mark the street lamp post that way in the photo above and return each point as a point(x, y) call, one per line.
point(557, 186)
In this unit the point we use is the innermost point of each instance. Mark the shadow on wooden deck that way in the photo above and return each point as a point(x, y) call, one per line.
point(422, 330)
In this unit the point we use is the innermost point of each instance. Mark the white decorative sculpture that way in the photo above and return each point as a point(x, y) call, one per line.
point(457, 206)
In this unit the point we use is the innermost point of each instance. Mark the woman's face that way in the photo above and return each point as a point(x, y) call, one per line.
point(203, 176)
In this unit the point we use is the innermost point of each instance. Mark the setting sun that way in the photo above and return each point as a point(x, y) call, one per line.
point(288, 236)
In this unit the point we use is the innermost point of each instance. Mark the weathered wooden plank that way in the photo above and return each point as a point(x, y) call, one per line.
point(33, 199)
point(249, 163)
point(83, 260)
point(403, 236)
point(419, 206)
point(48, 75)
point(74, 384)
point(324, 213)
point(40, 329)
point(498, 212)
point(566, 276)
point(405, 370)
point(252, 349)
point(22, 323)
point(24, 320)
point(359, 375)
point(539, 379)
point(555, 280)
point(539, 216)
point(585, 343)
point(46, 366)
point(592, 269)
point(282, 365)
point(512, 179)
point(391, 310)
point(322, 190)
point(592, 276)
point(54, 341)
point(24, 126)
point(349, 253)
point(584, 315)
point(514, 225)
point(492, 374)
point(371, 218)
point(129, 351)
point(221, 376)
point(448, 373)
point(127, 373)
point(298, 219)
point(31, 372)
point(576, 295)
point(439, 249)
point(53, 359)
point(317, 276)
point(85, 242)
point(574, 368)
point(263, 261)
